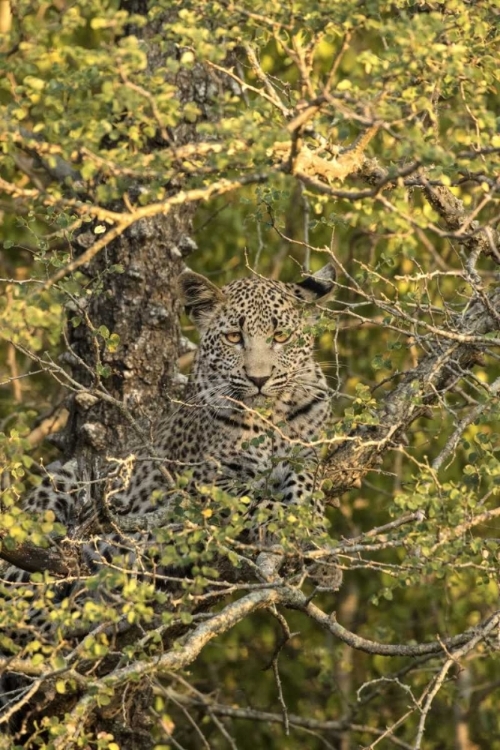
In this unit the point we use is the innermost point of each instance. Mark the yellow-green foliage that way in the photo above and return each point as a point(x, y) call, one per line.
point(76, 90)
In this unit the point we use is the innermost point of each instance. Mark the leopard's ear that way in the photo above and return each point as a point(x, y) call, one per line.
point(318, 287)
point(200, 297)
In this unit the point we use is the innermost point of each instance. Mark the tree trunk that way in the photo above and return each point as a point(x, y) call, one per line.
point(139, 302)
point(135, 298)
point(141, 306)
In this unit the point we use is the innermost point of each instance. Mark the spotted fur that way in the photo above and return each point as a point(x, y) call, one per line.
point(254, 376)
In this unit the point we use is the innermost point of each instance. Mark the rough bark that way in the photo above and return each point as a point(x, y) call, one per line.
point(141, 306)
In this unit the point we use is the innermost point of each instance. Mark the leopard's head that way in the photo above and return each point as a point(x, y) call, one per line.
point(254, 337)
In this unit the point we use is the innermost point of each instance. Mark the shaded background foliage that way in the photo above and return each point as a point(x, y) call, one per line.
point(119, 117)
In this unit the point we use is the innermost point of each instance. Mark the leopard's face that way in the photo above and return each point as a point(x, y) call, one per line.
point(255, 345)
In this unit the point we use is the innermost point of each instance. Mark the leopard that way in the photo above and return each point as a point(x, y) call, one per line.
point(255, 402)
point(255, 358)
point(255, 396)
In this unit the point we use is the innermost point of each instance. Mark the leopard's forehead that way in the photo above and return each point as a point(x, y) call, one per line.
point(263, 303)
point(247, 290)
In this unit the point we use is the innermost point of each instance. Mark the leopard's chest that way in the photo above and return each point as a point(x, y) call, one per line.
point(229, 449)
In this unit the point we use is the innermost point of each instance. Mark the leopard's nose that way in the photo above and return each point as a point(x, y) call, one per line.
point(260, 381)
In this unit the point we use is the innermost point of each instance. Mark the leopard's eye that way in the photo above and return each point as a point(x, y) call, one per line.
point(280, 337)
point(234, 337)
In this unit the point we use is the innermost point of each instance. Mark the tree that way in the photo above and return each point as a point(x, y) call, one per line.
point(301, 132)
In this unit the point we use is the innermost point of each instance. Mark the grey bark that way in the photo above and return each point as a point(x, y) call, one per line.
point(141, 306)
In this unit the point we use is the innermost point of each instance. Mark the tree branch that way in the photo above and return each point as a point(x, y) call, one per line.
point(35, 559)
point(353, 458)
point(336, 726)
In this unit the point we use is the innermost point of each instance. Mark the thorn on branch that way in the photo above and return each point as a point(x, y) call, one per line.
point(286, 635)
